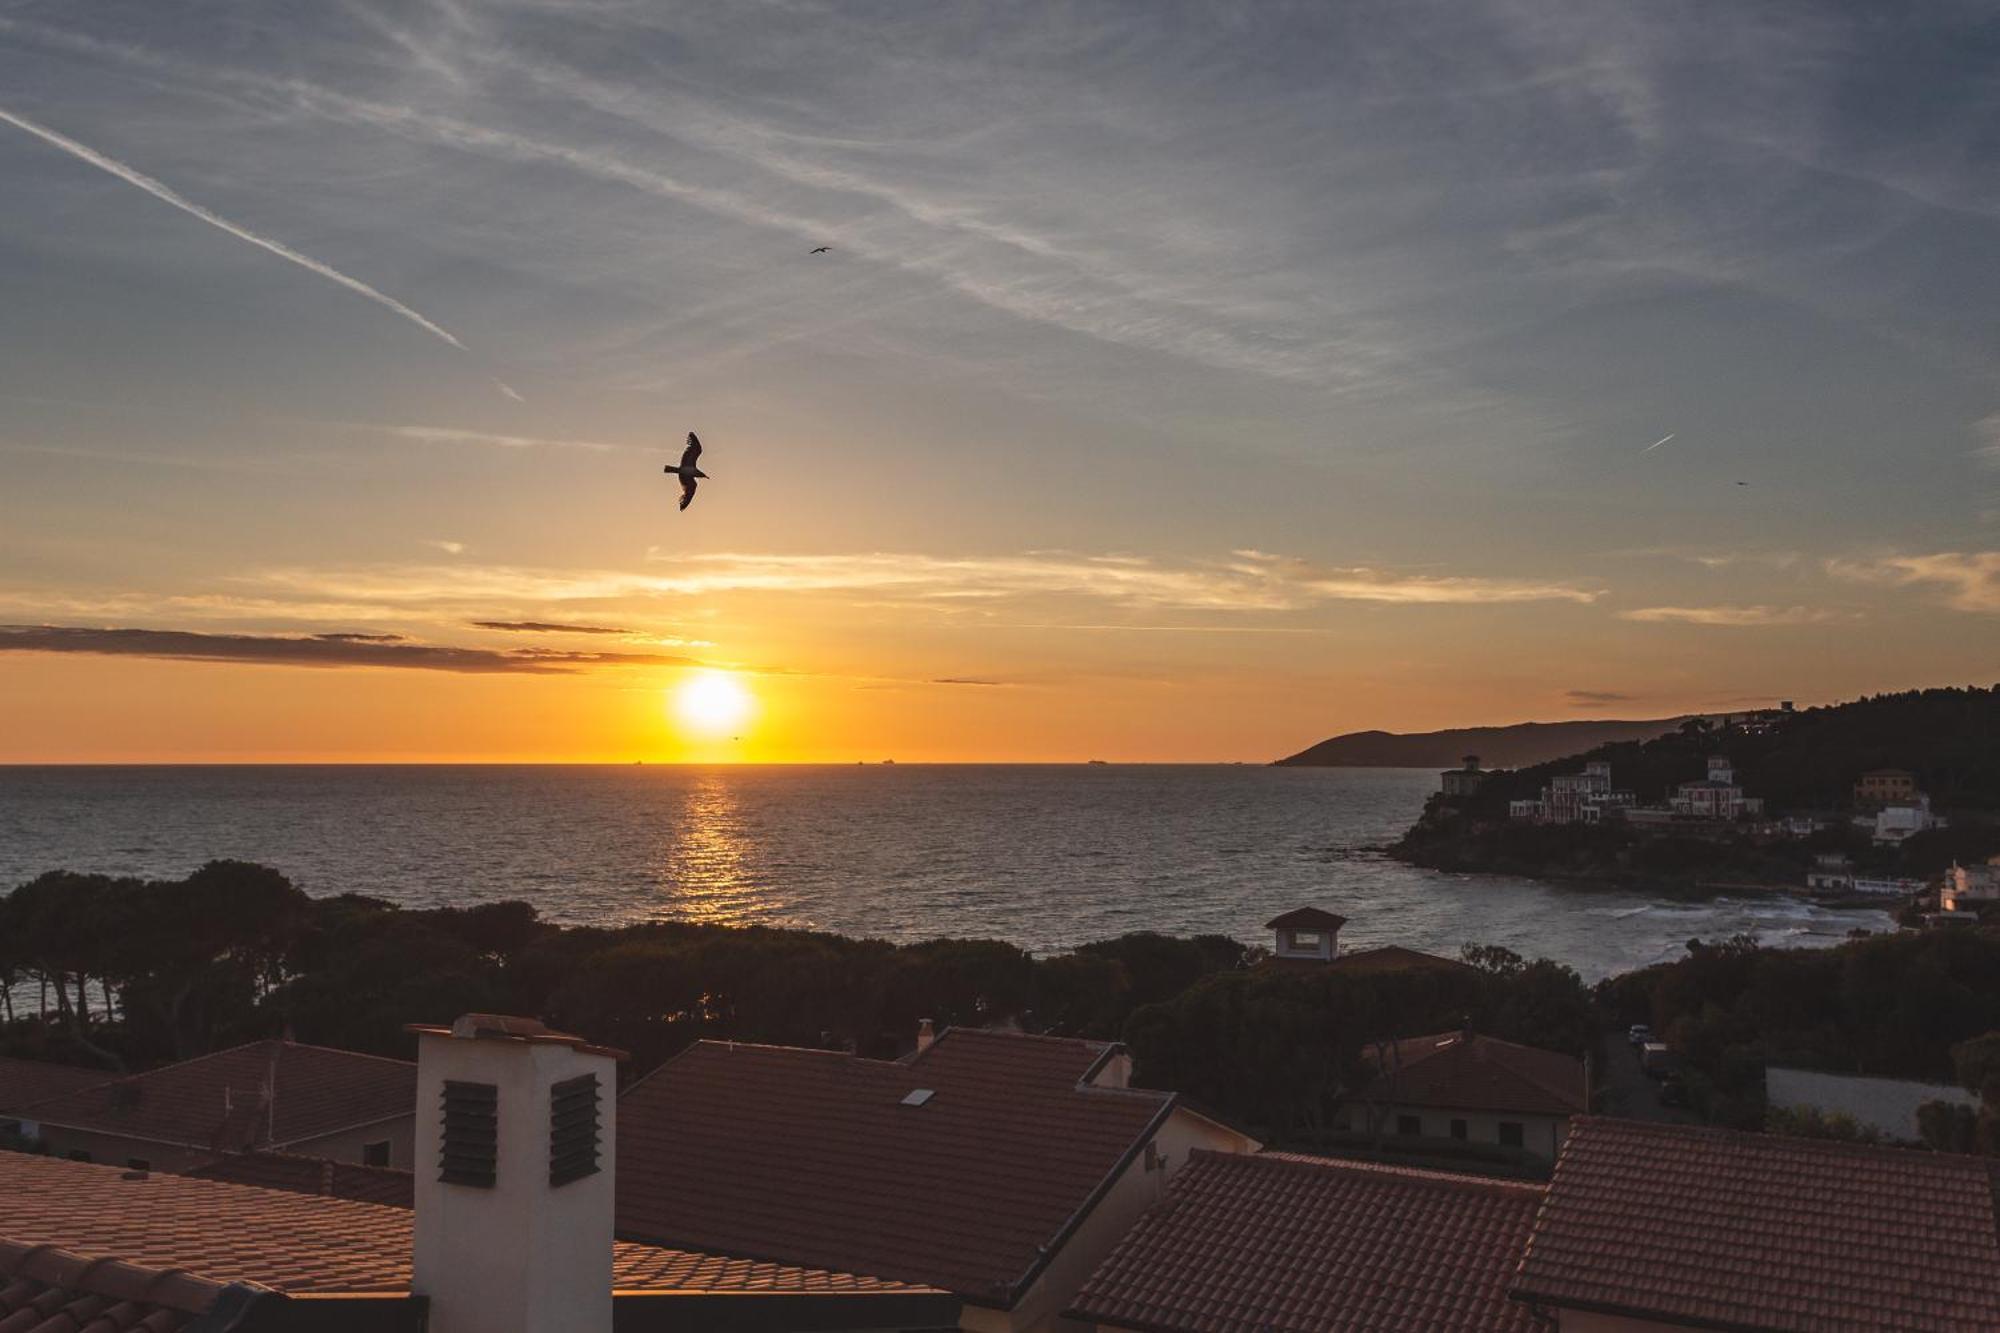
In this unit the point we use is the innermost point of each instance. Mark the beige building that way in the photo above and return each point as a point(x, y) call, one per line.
point(1459, 1090)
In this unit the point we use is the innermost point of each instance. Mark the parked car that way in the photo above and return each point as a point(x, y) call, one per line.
point(1657, 1059)
point(1673, 1092)
point(1639, 1034)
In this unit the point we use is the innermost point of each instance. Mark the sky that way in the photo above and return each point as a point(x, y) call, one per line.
point(1183, 382)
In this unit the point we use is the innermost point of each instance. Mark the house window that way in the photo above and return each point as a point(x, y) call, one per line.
point(375, 1154)
point(1409, 1125)
point(1510, 1134)
point(1458, 1130)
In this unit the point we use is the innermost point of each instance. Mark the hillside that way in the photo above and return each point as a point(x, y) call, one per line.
point(1515, 746)
point(1803, 761)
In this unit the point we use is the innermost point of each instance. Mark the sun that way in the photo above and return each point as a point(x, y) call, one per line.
point(712, 703)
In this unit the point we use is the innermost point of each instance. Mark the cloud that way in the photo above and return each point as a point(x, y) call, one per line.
point(1733, 616)
point(547, 627)
point(967, 680)
point(1595, 698)
point(1970, 580)
point(449, 435)
point(1247, 581)
point(322, 650)
point(448, 547)
point(132, 176)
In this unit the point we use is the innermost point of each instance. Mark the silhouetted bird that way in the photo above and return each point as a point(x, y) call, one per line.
point(688, 472)
point(1742, 483)
point(822, 249)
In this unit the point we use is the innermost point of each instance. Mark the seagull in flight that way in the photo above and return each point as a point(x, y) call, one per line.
point(1656, 444)
point(822, 249)
point(688, 471)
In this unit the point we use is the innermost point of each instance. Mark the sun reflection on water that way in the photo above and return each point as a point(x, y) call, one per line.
point(704, 858)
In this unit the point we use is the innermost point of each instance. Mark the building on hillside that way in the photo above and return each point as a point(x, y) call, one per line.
point(1458, 783)
point(1894, 823)
point(512, 1230)
point(1277, 1241)
point(1308, 938)
point(1966, 888)
point(1461, 1089)
point(996, 1166)
point(280, 1095)
point(1884, 786)
point(1716, 797)
point(1575, 798)
point(1652, 1226)
point(1306, 934)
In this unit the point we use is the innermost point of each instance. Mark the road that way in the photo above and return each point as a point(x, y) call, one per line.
point(1624, 1090)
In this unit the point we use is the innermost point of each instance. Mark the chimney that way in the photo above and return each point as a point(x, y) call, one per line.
point(516, 1128)
point(926, 1034)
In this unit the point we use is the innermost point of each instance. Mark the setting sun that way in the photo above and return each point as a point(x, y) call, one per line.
point(712, 702)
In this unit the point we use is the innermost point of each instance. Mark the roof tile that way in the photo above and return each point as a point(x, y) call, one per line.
point(266, 1093)
point(1458, 1070)
point(1274, 1242)
point(813, 1157)
point(1757, 1231)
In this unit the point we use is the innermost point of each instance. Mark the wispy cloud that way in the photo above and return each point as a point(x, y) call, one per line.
point(452, 435)
point(319, 650)
point(1969, 580)
point(967, 680)
point(165, 194)
point(1596, 698)
point(1729, 616)
point(1247, 581)
point(448, 547)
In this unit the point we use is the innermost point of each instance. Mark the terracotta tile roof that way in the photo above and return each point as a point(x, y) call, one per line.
point(217, 1101)
point(1454, 1070)
point(302, 1243)
point(50, 1290)
point(1750, 1231)
point(313, 1175)
point(1274, 1242)
point(1395, 958)
point(815, 1157)
point(25, 1082)
point(1305, 918)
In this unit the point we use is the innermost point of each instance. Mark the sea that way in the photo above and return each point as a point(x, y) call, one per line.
point(1046, 856)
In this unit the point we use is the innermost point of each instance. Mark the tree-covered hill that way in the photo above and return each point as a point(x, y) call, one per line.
point(1809, 759)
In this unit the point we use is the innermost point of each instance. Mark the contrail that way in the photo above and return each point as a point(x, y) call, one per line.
point(1656, 444)
point(166, 195)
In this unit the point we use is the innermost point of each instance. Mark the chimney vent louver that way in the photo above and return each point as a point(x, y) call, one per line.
point(573, 1129)
point(471, 1139)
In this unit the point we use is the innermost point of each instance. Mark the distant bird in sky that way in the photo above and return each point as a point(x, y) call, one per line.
point(822, 249)
point(1656, 444)
point(688, 471)
point(1742, 483)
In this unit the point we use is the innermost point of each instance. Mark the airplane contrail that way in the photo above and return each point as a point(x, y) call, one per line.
point(163, 193)
point(1656, 444)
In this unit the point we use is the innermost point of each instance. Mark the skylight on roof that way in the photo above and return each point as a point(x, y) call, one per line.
point(919, 1096)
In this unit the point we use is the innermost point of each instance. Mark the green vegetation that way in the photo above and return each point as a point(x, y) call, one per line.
point(1892, 1006)
point(126, 974)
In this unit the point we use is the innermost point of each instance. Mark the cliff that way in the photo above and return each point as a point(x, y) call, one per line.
point(1515, 746)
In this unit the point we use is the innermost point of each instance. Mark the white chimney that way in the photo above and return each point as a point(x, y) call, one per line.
point(926, 1034)
point(515, 1139)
